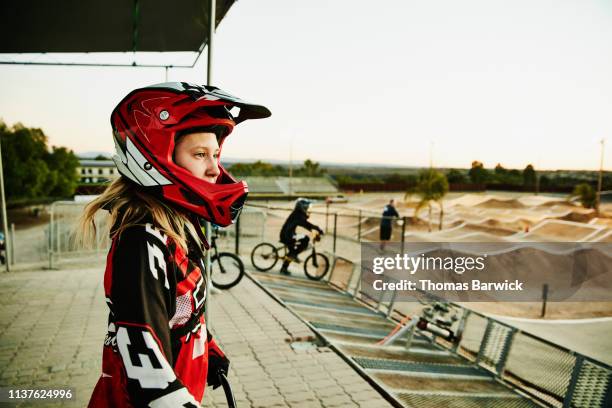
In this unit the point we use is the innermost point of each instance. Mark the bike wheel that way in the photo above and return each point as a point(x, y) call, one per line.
point(264, 256)
point(226, 270)
point(316, 270)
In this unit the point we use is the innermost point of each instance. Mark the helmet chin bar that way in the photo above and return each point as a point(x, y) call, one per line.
point(219, 204)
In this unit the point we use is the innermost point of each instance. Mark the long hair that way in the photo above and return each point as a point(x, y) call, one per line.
point(130, 205)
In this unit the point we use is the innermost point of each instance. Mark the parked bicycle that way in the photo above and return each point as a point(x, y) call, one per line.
point(266, 255)
point(226, 268)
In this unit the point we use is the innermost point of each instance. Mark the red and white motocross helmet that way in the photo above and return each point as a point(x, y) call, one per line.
point(145, 124)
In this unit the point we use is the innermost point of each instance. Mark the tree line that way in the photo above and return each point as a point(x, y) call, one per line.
point(431, 185)
point(32, 169)
point(259, 168)
point(499, 177)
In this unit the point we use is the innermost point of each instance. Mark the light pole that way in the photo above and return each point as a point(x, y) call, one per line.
point(7, 241)
point(208, 225)
point(600, 179)
point(291, 168)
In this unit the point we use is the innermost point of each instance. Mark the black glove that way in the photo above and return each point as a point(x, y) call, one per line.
point(319, 230)
point(216, 366)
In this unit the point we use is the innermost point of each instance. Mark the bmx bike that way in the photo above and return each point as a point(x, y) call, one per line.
point(226, 268)
point(266, 255)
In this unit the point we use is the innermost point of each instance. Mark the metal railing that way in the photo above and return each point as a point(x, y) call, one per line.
point(60, 244)
point(549, 373)
point(60, 234)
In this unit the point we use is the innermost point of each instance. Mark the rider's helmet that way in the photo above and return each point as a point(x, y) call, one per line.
point(145, 124)
point(303, 205)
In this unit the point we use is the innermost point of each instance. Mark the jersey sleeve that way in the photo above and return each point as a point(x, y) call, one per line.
point(143, 301)
point(303, 222)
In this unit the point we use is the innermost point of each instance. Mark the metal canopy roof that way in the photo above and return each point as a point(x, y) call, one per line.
point(83, 26)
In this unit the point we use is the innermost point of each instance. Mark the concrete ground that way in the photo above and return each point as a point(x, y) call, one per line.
point(53, 322)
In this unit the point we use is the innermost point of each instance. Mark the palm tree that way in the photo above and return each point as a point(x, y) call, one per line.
point(585, 194)
point(431, 187)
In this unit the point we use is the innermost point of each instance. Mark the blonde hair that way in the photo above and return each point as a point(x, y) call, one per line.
point(129, 205)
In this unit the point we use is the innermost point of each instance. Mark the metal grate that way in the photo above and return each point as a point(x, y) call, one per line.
point(424, 400)
point(351, 330)
point(473, 333)
point(293, 287)
point(355, 309)
point(399, 365)
point(539, 368)
point(593, 387)
point(495, 346)
point(292, 280)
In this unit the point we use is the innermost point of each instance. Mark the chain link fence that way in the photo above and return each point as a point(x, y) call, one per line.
point(61, 232)
point(551, 374)
point(29, 245)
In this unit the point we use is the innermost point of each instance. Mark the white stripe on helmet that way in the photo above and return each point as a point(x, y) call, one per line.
point(132, 165)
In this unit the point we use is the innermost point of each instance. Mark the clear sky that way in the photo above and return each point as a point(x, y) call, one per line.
point(514, 82)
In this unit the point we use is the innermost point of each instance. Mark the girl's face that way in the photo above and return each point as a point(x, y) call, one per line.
point(199, 154)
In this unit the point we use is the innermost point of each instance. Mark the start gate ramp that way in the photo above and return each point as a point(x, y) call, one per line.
point(493, 365)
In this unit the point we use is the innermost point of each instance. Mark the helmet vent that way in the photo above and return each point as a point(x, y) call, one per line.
point(237, 205)
point(192, 198)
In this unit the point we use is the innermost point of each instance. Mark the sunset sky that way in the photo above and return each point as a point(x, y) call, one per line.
point(514, 82)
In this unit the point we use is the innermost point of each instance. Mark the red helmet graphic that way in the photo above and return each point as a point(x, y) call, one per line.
point(145, 124)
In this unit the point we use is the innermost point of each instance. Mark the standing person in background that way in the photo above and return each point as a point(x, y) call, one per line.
point(386, 223)
point(158, 351)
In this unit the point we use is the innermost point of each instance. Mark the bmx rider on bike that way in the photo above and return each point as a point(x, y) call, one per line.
point(296, 243)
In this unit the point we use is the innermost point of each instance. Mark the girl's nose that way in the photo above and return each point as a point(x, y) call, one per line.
point(212, 168)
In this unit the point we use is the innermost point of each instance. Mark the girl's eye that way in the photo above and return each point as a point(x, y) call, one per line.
point(201, 154)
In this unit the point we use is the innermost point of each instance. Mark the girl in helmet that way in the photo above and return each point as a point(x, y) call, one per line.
point(168, 138)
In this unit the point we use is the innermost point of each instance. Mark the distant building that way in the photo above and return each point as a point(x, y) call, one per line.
point(97, 171)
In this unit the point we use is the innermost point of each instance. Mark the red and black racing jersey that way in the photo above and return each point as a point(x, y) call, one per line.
point(156, 351)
